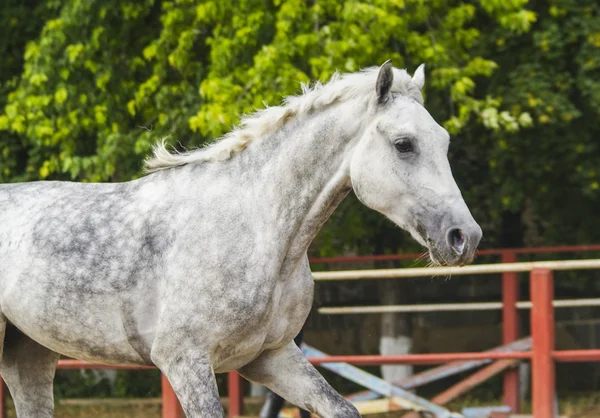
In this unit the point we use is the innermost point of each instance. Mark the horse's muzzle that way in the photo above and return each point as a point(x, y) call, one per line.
point(462, 241)
point(457, 244)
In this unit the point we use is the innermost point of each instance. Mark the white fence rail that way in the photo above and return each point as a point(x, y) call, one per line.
point(449, 307)
point(453, 271)
point(456, 271)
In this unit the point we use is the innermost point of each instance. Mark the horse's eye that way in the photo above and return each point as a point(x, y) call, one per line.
point(404, 145)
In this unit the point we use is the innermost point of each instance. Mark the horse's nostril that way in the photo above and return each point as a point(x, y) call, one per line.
point(456, 239)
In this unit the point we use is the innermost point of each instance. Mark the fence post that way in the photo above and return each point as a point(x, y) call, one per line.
point(542, 332)
point(236, 395)
point(2, 399)
point(170, 404)
point(510, 330)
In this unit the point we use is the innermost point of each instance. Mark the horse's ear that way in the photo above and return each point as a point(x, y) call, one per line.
point(419, 76)
point(385, 80)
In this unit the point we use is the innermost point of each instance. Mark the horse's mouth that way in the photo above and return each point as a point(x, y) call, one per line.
point(435, 257)
point(439, 258)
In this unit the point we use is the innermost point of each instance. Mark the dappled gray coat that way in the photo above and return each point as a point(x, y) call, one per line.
point(200, 266)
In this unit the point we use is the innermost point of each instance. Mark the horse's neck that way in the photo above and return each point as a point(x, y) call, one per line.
point(305, 174)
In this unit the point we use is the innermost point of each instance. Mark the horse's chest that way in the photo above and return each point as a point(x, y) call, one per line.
point(273, 327)
point(291, 303)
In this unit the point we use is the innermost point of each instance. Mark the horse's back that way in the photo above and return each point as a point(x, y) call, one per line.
point(41, 215)
point(97, 231)
point(35, 199)
point(73, 252)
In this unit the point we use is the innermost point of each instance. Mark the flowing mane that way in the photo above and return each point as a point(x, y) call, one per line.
point(340, 88)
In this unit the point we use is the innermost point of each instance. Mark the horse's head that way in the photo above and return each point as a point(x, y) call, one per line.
point(400, 168)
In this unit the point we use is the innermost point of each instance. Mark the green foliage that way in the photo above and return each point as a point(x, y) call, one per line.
point(88, 86)
point(90, 383)
point(546, 174)
point(138, 384)
point(102, 70)
point(80, 384)
point(20, 22)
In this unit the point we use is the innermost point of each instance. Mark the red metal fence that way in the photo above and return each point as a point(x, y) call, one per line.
point(542, 356)
point(510, 296)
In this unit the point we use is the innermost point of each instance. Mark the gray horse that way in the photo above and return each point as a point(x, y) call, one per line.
point(200, 266)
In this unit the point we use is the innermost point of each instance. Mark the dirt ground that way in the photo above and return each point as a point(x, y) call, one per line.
point(579, 406)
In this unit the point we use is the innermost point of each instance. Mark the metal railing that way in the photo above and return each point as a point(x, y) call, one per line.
point(542, 355)
point(510, 295)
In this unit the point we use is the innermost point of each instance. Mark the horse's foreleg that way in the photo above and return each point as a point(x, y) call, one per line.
point(193, 380)
point(28, 370)
point(287, 373)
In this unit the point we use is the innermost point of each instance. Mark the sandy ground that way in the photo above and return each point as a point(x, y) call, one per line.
point(580, 406)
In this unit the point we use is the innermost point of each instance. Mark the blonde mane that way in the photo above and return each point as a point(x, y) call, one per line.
point(340, 88)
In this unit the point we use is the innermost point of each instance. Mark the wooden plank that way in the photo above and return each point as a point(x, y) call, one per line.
point(109, 402)
point(405, 399)
point(449, 369)
point(530, 416)
point(474, 380)
point(378, 406)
